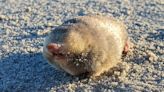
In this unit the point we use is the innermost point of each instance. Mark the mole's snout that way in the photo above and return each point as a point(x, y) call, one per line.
point(54, 48)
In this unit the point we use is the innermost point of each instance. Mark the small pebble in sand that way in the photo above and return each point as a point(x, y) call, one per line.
point(152, 56)
point(71, 87)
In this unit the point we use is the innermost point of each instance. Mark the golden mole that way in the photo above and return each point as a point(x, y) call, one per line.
point(90, 44)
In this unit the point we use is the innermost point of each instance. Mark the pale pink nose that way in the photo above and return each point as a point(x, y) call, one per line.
point(53, 48)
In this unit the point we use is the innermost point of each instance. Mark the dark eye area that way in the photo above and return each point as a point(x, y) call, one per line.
point(58, 34)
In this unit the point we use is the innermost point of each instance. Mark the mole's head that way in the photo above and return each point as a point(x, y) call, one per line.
point(68, 47)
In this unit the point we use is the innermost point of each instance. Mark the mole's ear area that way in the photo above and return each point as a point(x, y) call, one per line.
point(53, 48)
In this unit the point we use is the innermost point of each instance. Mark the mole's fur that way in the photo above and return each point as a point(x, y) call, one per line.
point(86, 44)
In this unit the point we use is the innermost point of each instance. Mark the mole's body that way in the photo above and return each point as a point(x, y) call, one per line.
point(86, 44)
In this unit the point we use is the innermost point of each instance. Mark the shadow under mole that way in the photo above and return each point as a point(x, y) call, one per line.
point(29, 72)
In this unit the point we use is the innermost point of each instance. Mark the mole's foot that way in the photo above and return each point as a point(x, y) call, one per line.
point(128, 46)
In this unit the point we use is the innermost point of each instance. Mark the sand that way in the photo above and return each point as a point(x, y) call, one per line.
point(25, 23)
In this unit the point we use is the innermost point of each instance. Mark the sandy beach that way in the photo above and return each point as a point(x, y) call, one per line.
point(24, 24)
